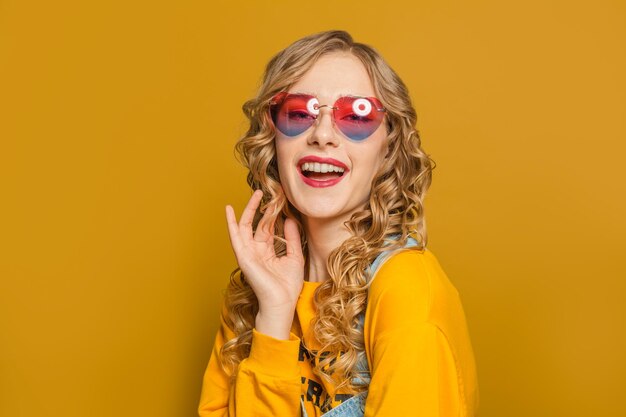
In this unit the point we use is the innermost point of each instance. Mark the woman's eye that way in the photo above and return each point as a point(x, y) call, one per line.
point(298, 115)
point(355, 118)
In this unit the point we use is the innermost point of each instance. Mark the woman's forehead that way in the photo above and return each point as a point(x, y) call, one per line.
point(334, 96)
point(333, 76)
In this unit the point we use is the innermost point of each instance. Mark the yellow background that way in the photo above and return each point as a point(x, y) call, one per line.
point(117, 124)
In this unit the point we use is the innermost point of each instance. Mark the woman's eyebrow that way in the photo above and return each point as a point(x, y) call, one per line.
point(308, 93)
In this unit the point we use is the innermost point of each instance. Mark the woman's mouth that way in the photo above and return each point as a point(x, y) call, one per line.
point(318, 174)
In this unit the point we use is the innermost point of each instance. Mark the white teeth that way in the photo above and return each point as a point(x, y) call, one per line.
point(317, 167)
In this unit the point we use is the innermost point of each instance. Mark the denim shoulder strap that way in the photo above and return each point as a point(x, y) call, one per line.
point(382, 257)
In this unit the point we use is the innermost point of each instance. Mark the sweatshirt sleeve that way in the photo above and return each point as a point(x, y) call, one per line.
point(418, 347)
point(267, 381)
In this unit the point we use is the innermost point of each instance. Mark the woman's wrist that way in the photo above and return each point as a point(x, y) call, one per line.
point(275, 324)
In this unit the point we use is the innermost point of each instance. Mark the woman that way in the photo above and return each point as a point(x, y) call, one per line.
point(337, 307)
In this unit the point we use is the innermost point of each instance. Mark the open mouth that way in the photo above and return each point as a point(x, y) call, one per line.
point(321, 172)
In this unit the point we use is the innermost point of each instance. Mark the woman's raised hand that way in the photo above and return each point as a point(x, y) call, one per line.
point(276, 281)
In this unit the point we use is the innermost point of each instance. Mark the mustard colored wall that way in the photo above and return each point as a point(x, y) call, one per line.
point(117, 124)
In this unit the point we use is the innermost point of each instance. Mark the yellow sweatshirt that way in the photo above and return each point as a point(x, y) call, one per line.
point(416, 342)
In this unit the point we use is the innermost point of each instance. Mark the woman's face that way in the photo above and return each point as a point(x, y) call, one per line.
point(330, 195)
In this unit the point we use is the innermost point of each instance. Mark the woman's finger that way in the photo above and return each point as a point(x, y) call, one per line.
point(265, 230)
point(292, 236)
point(233, 228)
point(245, 223)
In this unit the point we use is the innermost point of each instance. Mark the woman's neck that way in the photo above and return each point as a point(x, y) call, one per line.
point(323, 236)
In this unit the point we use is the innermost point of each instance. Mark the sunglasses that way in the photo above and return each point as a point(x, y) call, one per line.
point(356, 117)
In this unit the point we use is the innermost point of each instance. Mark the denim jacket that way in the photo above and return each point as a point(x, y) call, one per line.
point(355, 405)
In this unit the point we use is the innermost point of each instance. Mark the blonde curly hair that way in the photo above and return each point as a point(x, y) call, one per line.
point(394, 212)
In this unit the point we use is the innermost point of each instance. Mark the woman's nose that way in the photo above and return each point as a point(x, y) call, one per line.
point(324, 130)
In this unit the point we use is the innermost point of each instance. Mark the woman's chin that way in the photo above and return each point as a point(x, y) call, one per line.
point(320, 213)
